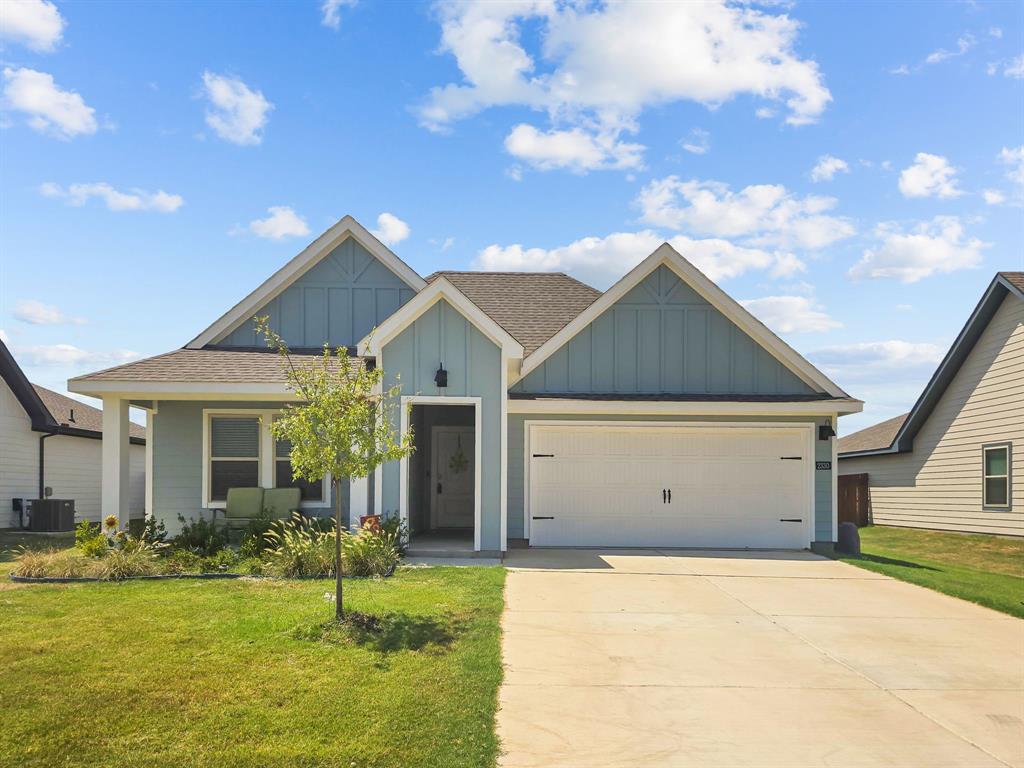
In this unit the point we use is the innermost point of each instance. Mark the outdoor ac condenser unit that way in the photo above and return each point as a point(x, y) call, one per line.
point(51, 515)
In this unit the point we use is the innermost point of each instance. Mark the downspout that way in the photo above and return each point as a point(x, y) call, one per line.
point(42, 462)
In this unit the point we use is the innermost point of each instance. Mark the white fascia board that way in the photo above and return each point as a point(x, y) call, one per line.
point(673, 408)
point(345, 228)
point(666, 255)
point(439, 289)
point(178, 390)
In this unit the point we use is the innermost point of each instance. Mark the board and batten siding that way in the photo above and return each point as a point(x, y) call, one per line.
point(516, 462)
point(177, 434)
point(410, 360)
point(337, 301)
point(662, 337)
point(939, 484)
point(73, 466)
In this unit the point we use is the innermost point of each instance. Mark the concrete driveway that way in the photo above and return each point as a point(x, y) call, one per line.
point(621, 658)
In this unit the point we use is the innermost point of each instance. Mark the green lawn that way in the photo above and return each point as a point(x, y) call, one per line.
point(193, 673)
point(988, 570)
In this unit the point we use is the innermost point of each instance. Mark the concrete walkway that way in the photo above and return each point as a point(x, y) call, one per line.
point(672, 658)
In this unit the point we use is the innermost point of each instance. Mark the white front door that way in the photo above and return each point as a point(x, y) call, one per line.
point(453, 474)
point(664, 486)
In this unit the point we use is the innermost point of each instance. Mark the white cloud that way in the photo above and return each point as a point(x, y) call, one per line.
point(237, 113)
point(601, 261)
point(791, 314)
point(514, 172)
point(390, 229)
point(766, 214)
point(331, 10)
point(447, 244)
point(50, 110)
point(115, 200)
point(598, 67)
point(35, 23)
point(1015, 68)
point(870, 359)
point(37, 313)
point(699, 142)
point(902, 69)
point(963, 44)
point(929, 176)
point(1013, 158)
point(576, 149)
point(68, 354)
point(993, 196)
point(995, 32)
point(931, 247)
point(281, 222)
point(905, 307)
point(827, 167)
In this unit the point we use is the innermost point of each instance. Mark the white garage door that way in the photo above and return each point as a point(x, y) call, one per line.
point(665, 486)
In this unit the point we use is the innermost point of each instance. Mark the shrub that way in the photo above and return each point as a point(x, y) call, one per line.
point(300, 547)
point(394, 526)
point(90, 540)
point(367, 553)
point(60, 563)
point(200, 536)
point(254, 539)
point(154, 532)
point(219, 562)
point(133, 558)
point(181, 561)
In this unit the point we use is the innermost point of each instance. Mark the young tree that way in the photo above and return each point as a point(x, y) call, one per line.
point(340, 427)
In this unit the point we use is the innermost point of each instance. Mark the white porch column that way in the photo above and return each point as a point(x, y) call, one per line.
point(358, 499)
point(114, 497)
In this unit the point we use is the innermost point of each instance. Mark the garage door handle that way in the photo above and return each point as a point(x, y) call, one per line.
point(791, 519)
point(543, 455)
point(791, 458)
point(539, 517)
point(669, 495)
point(664, 496)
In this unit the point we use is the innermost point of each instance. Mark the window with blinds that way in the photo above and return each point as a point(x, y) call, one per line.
point(283, 478)
point(234, 454)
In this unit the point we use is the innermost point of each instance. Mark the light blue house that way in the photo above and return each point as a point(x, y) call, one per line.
point(658, 413)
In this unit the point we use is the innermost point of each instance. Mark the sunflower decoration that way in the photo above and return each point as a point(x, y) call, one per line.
point(110, 521)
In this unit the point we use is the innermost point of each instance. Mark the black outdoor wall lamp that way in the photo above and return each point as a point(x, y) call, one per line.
point(825, 431)
point(441, 377)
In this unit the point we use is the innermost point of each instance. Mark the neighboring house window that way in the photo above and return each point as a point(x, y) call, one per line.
point(996, 463)
point(283, 478)
point(234, 454)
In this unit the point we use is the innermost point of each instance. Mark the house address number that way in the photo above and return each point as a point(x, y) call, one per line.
point(823, 465)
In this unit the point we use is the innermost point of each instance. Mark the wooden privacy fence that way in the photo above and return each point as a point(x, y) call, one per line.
point(854, 500)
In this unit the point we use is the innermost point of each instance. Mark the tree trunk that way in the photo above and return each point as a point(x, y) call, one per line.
point(339, 608)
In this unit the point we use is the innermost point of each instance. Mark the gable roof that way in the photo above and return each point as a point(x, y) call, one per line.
point(872, 438)
point(666, 255)
point(440, 288)
point(51, 412)
point(345, 228)
point(902, 441)
point(531, 306)
point(197, 371)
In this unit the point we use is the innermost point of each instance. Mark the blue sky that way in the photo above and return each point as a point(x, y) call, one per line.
point(159, 160)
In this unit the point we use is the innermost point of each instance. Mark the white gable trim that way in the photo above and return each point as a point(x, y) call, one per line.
point(345, 228)
point(715, 296)
point(440, 289)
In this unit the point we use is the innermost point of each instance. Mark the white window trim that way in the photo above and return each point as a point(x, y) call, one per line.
point(266, 461)
point(985, 503)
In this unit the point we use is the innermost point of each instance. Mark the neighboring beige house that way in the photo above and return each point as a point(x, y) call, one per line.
point(48, 440)
point(956, 461)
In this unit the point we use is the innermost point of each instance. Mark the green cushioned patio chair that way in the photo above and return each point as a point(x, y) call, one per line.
point(243, 505)
point(279, 503)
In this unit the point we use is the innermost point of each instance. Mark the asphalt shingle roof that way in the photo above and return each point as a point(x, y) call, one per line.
point(85, 416)
point(1016, 279)
point(211, 366)
point(531, 306)
point(880, 435)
